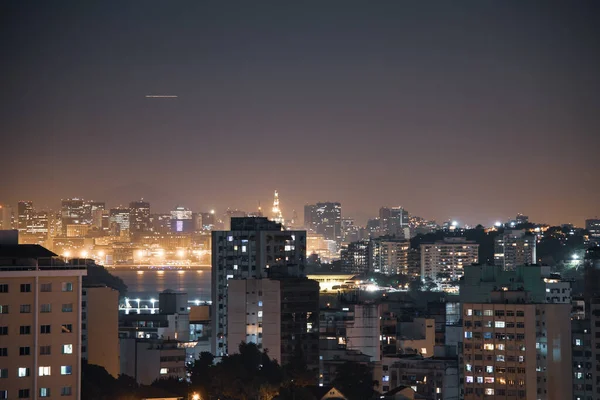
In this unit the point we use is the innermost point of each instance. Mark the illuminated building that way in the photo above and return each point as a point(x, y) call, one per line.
point(350, 231)
point(5, 217)
point(593, 227)
point(513, 248)
point(389, 255)
point(139, 216)
point(253, 248)
point(515, 345)
point(325, 219)
point(181, 220)
point(40, 319)
point(74, 211)
point(444, 260)
point(356, 258)
point(119, 220)
point(25, 215)
point(77, 230)
point(394, 221)
point(276, 214)
point(160, 223)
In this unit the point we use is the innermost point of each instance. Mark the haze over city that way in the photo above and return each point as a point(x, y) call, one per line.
point(472, 111)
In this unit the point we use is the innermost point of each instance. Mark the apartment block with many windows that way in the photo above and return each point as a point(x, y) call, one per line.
point(40, 319)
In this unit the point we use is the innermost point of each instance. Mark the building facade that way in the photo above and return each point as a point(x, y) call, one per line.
point(513, 248)
point(325, 219)
point(254, 248)
point(40, 320)
point(445, 260)
point(389, 255)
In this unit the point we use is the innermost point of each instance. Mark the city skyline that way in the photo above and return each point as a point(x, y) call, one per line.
point(454, 111)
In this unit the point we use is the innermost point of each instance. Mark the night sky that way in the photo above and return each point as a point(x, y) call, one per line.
point(466, 110)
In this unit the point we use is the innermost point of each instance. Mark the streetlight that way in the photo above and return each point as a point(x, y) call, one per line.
point(138, 301)
point(195, 396)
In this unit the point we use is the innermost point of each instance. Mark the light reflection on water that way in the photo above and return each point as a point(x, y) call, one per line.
point(147, 283)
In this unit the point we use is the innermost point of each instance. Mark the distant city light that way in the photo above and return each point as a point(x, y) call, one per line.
point(498, 224)
point(575, 257)
point(454, 223)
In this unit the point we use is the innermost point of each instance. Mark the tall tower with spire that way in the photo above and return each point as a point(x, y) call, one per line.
point(276, 214)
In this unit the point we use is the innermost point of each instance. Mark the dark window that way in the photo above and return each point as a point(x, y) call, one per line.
point(66, 328)
point(45, 329)
point(24, 351)
point(25, 330)
point(45, 350)
point(46, 287)
point(3, 288)
point(25, 287)
point(23, 393)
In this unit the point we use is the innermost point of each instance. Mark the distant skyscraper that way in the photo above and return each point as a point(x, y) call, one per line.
point(253, 248)
point(325, 219)
point(393, 220)
point(513, 248)
point(139, 216)
point(5, 217)
point(74, 212)
point(276, 214)
point(181, 220)
point(119, 219)
point(25, 215)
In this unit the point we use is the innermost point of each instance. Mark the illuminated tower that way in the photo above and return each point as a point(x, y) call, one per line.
point(276, 212)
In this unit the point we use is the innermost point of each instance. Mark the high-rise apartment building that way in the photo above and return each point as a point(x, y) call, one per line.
point(445, 260)
point(25, 214)
point(254, 315)
point(139, 216)
point(40, 320)
point(515, 345)
point(394, 221)
point(356, 258)
point(325, 219)
point(514, 247)
point(254, 248)
point(389, 255)
point(74, 212)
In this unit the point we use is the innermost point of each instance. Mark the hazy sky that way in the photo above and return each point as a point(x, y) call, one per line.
point(467, 110)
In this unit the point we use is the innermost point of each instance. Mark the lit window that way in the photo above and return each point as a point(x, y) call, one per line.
point(469, 367)
point(235, 267)
point(423, 350)
point(23, 372)
point(499, 324)
point(44, 371)
point(469, 379)
point(65, 370)
point(44, 392)
point(488, 313)
point(500, 347)
point(489, 379)
point(468, 335)
point(67, 349)
point(480, 379)
point(470, 312)
point(244, 249)
point(230, 238)
point(489, 391)
point(260, 303)
point(438, 390)
point(499, 358)
point(164, 371)
point(235, 248)
point(488, 346)
point(386, 378)
point(489, 369)
point(260, 314)
point(577, 342)
point(521, 359)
